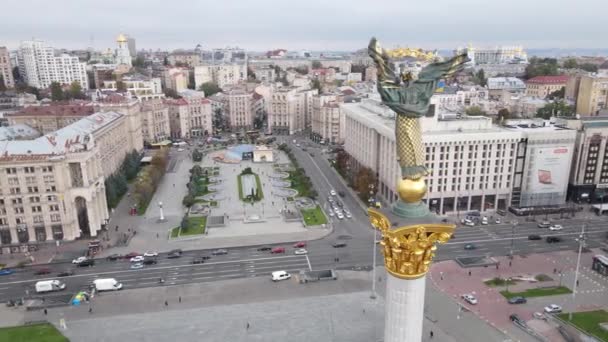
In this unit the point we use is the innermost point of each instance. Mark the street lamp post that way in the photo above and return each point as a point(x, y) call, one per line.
point(508, 280)
point(371, 204)
point(513, 224)
point(581, 241)
point(162, 215)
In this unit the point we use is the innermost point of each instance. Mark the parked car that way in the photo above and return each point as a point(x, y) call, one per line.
point(469, 298)
point(468, 222)
point(534, 237)
point(515, 318)
point(469, 246)
point(87, 263)
point(219, 252)
point(544, 224)
point(114, 257)
point(341, 193)
point(79, 260)
point(174, 255)
point(264, 248)
point(150, 254)
point(150, 261)
point(205, 257)
point(65, 273)
point(553, 239)
point(338, 244)
point(137, 265)
point(138, 258)
point(280, 275)
point(556, 227)
point(300, 251)
point(553, 308)
point(484, 220)
point(497, 221)
point(518, 300)
point(278, 250)
point(42, 271)
point(198, 260)
point(6, 271)
point(299, 244)
point(332, 192)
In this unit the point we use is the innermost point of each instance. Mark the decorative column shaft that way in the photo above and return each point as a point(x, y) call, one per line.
point(404, 309)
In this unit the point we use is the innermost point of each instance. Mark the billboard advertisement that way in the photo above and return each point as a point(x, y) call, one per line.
point(550, 170)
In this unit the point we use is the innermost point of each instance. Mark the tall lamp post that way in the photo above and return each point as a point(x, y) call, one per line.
point(513, 224)
point(372, 201)
point(581, 241)
point(162, 215)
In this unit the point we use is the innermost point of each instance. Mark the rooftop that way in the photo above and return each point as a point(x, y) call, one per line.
point(18, 132)
point(549, 79)
point(55, 110)
point(71, 138)
point(505, 83)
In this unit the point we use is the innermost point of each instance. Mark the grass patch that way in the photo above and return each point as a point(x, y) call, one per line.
point(210, 203)
point(589, 322)
point(314, 217)
point(248, 198)
point(143, 206)
point(290, 199)
point(32, 333)
point(194, 226)
point(538, 292)
point(542, 277)
point(499, 282)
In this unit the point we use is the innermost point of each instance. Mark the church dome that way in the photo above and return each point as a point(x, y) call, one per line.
point(121, 38)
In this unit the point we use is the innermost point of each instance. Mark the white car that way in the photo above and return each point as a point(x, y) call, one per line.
point(468, 222)
point(180, 150)
point(139, 258)
point(553, 308)
point(150, 254)
point(484, 220)
point(337, 210)
point(469, 298)
point(340, 216)
point(79, 260)
point(497, 221)
point(300, 251)
point(280, 275)
point(331, 214)
point(556, 227)
point(348, 214)
point(333, 192)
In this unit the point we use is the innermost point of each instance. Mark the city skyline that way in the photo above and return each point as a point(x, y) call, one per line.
point(310, 25)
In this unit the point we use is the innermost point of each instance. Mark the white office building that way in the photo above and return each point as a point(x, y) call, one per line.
point(40, 67)
point(221, 74)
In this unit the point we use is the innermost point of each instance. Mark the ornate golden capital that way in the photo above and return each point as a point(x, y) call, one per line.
point(409, 250)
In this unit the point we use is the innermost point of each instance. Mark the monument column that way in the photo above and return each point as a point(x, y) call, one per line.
point(404, 309)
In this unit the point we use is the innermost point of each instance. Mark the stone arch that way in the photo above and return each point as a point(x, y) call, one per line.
point(82, 213)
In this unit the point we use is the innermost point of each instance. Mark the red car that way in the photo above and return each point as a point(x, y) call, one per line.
point(278, 250)
point(131, 255)
point(299, 244)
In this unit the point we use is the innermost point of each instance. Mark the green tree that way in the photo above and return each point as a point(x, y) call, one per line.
point(191, 82)
point(302, 70)
point(480, 78)
point(364, 178)
point(2, 85)
point(316, 65)
point(589, 67)
point(541, 67)
point(558, 94)
point(188, 200)
point(503, 115)
point(76, 90)
point(570, 63)
point(218, 120)
point(210, 88)
point(56, 92)
point(475, 111)
point(556, 108)
point(316, 84)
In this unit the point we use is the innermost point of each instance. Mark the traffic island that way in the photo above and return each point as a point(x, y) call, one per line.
point(249, 186)
point(314, 216)
point(191, 226)
point(537, 292)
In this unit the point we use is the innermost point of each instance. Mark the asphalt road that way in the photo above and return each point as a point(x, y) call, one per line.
point(355, 232)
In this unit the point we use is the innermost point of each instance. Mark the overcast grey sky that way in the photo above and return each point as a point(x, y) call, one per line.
point(313, 24)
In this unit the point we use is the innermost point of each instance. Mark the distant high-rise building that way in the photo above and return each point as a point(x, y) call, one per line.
point(39, 66)
point(123, 56)
point(6, 68)
point(131, 45)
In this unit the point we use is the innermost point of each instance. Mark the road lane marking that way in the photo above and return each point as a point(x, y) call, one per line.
point(308, 261)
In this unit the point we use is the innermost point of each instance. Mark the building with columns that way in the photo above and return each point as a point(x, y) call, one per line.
point(6, 68)
point(53, 186)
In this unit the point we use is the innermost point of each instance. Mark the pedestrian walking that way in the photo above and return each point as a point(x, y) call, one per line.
point(247, 325)
point(180, 299)
point(157, 236)
point(90, 309)
point(166, 303)
point(45, 311)
point(431, 334)
point(116, 228)
point(469, 273)
point(577, 282)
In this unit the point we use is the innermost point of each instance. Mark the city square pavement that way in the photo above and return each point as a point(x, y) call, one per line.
point(592, 294)
point(257, 309)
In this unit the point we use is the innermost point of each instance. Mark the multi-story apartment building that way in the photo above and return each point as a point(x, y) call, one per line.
point(190, 116)
point(500, 88)
point(39, 66)
point(264, 74)
point(221, 74)
point(184, 58)
point(496, 55)
point(53, 186)
point(6, 68)
point(48, 119)
point(140, 86)
point(238, 109)
point(327, 122)
point(290, 109)
point(589, 174)
point(304, 108)
point(542, 86)
point(592, 94)
point(176, 79)
point(131, 108)
point(452, 99)
point(155, 121)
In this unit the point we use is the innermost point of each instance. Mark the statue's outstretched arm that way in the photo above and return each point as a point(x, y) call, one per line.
point(385, 72)
point(440, 70)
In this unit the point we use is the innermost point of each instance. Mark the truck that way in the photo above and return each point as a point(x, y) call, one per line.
point(49, 286)
point(107, 284)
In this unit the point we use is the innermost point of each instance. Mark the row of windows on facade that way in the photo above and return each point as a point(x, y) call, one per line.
point(28, 169)
point(23, 236)
point(30, 189)
point(35, 209)
point(31, 180)
point(472, 147)
point(35, 218)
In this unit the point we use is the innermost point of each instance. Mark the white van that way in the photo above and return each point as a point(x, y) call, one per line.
point(280, 275)
point(49, 286)
point(107, 284)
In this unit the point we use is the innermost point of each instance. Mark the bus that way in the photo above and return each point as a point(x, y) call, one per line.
point(600, 264)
